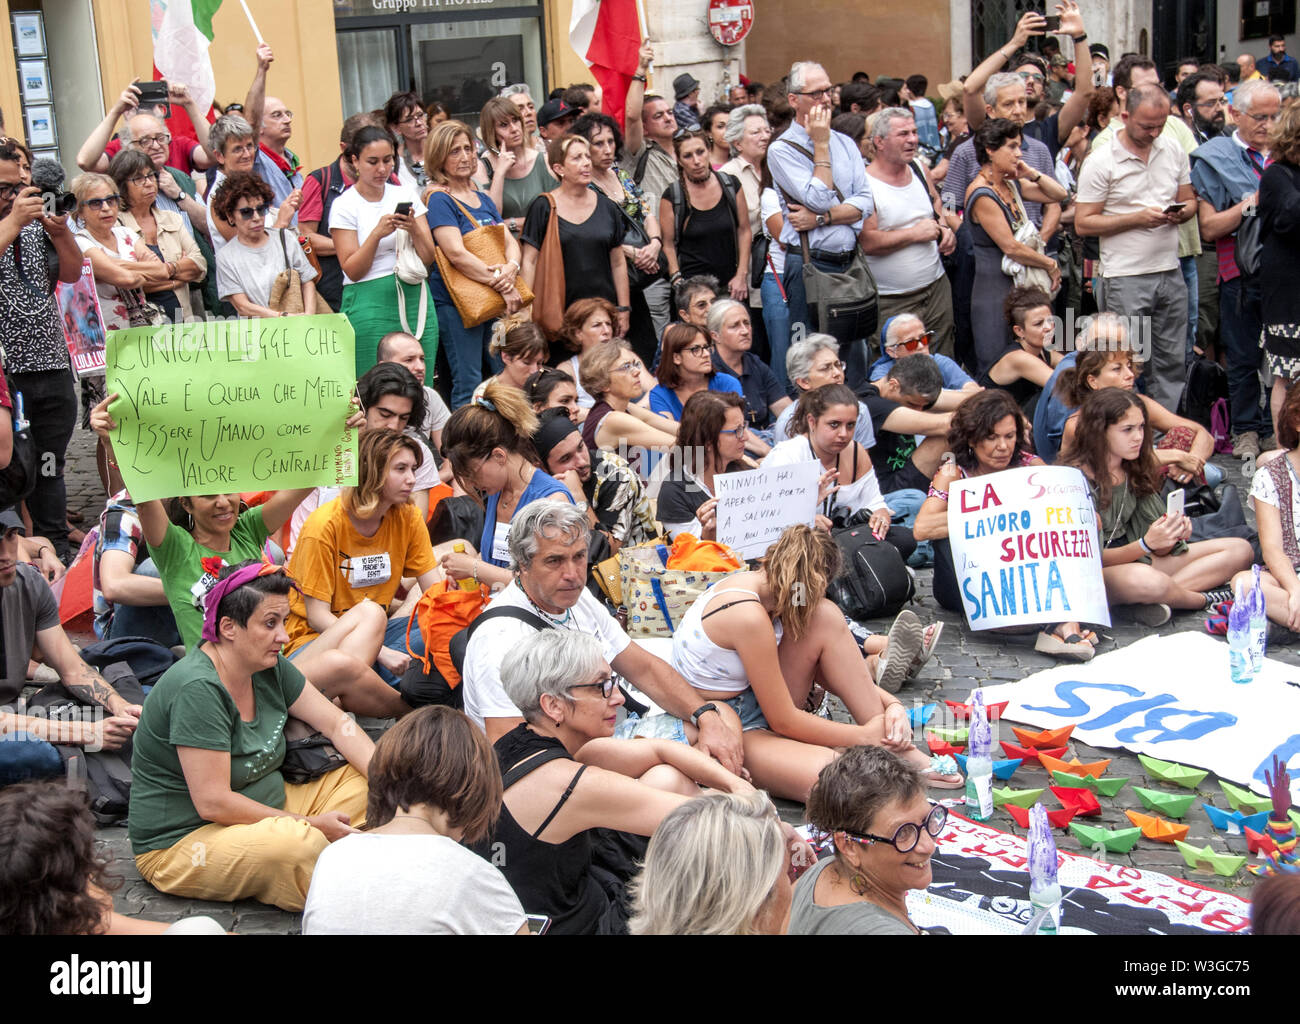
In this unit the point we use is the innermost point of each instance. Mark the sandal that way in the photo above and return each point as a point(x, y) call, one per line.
point(943, 773)
point(929, 641)
point(905, 643)
point(1075, 647)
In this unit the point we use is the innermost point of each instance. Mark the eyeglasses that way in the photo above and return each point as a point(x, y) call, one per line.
point(416, 118)
point(839, 364)
point(908, 834)
point(629, 367)
point(1261, 118)
point(1032, 76)
point(699, 350)
point(11, 191)
point(249, 212)
point(280, 115)
point(689, 133)
point(912, 344)
point(817, 94)
point(1211, 104)
point(98, 204)
point(147, 141)
point(140, 180)
point(605, 686)
point(738, 432)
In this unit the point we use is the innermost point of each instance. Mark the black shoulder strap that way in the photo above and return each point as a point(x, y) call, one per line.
point(507, 612)
point(677, 196)
point(530, 764)
point(639, 173)
point(729, 184)
point(729, 604)
point(284, 248)
point(564, 798)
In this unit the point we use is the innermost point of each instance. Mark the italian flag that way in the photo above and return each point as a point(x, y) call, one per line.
point(607, 35)
point(182, 32)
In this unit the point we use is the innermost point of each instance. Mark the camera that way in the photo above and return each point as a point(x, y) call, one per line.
point(59, 204)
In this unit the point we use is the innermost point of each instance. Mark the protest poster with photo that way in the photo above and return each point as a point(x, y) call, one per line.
point(756, 505)
point(233, 405)
point(83, 322)
point(1025, 548)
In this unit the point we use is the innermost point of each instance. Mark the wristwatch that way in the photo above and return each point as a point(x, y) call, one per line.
point(701, 710)
point(822, 220)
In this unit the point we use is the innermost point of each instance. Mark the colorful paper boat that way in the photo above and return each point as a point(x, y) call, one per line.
point(1225, 864)
point(1102, 787)
point(1080, 800)
point(1029, 753)
point(1054, 764)
point(1157, 828)
point(1244, 800)
point(1016, 797)
point(1057, 819)
point(993, 712)
point(1043, 738)
point(1233, 822)
point(1170, 771)
point(921, 715)
point(958, 735)
point(938, 747)
point(1257, 842)
point(1122, 840)
point(1173, 804)
point(1001, 769)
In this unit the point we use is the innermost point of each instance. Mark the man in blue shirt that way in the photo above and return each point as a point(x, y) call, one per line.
point(1280, 59)
point(905, 335)
point(822, 185)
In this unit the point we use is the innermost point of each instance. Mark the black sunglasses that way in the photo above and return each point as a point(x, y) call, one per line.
point(908, 833)
point(248, 212)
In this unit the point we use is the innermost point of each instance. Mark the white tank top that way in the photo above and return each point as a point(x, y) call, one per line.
point(702, 662)
point(913, 266)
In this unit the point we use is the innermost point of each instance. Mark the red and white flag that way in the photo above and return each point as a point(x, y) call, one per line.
point(607, 35)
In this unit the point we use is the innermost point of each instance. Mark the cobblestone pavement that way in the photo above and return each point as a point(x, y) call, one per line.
point(963, 662)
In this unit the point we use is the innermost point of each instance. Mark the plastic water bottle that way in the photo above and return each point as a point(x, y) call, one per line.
point(1044, 889)
point(467, 583)
point(1239, 640)
point(1258, 624)
point(979, 765)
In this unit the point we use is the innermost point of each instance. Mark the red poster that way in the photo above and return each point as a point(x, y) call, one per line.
point(83, 323)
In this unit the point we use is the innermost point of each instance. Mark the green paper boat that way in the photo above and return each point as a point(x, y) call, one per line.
point(1016, 797)
point(1102, 787)
point(1244, 800)
point(1120, 841)
point(1225, 864)
point(1177, 774)
point(957, 735)
point(1173, 804)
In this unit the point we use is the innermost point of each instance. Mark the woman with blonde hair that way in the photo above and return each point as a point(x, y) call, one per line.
point(522, 350)
point(490, 446)
point(716, 865)
point(773, 637)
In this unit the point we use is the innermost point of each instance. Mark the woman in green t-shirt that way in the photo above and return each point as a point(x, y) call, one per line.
point(193, 538)
point(211, 815)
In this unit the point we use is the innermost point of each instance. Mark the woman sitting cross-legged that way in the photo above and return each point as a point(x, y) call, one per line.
point(564, 776)
point(988, 434)
point(434, 785)
point(872, 803)
point(1146, 560)
point(1026, 363)
point(211, 816)
point(761, 640)
point(611, 374)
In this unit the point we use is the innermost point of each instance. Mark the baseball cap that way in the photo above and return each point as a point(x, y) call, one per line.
point(553, 110)
point(11, 520)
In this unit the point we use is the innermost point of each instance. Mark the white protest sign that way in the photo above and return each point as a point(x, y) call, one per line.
point(756, 505)
point(1025, 548)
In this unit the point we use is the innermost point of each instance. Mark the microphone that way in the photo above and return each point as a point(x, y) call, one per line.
point(48, 176)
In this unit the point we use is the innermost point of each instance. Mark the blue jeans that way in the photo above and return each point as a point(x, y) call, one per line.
point(1240, 326)
point(156, 622)
point(1213, 475)
point(776, 318)
point(395, 639)
point(1188, 265)
point(24, 757)
point(464, 347)
point(905, 505)
point(853, 351)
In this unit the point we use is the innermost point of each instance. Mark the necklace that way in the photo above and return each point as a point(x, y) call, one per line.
point(561, 623)
point(422, 821)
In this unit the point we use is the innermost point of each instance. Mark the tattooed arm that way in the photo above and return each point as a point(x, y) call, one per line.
point(78, 678)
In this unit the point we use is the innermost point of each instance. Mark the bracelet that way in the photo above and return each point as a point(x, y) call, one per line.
point(1080, 37)
point(639, 78)
point(821, 163)
point(622, 309)
point(657, 238)
point(43, 547)
point(934, 492)
point(1142, 543)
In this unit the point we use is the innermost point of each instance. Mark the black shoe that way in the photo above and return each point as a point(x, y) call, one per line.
point(1219, 594)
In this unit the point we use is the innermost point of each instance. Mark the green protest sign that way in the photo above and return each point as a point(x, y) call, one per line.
point(233, 405)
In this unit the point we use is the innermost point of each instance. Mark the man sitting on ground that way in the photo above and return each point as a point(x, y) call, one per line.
point(907, 402)
point(905, 335)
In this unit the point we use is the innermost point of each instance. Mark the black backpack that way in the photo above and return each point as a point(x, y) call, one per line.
point(682, 209)
point(875, 581)
point(1207, 382)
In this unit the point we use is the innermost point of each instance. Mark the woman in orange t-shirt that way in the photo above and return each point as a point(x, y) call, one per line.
point(357, 548)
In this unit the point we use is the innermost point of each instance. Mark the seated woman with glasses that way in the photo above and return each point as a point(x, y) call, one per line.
point(685, 369)
point(252, 260)
point(713, 432)
point(611, 373)
point(163, 231)
point(564, 776)
point(811, 363)
point(871, 803)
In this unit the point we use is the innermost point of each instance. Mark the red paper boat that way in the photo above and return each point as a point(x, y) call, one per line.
point(1156, 828)
point(1054, 764)
point(1082, 801)
point(940, 747)
point(1057, 819)
point(1044, 738)
point(1257, 842)
point(1029, 753)
point(992, 712)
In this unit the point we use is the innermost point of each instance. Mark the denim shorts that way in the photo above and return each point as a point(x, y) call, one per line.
point(746, 707)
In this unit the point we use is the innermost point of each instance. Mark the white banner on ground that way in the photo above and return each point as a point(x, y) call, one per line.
point(756, 505)
point(1171, 697)
point(1024, 548)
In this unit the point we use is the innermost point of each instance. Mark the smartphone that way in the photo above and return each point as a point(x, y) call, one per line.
point(154, 94)
point(1053, 22)
point(1174, 207)
point(1174, 503)
point(403, 209)
point(538, 924)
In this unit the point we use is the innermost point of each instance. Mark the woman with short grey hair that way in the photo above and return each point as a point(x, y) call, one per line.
point(565, 689)
point(731, 329)
point(811, 363)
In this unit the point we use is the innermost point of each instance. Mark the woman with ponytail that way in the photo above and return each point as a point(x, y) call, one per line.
point(490, 446)
point(774, 637)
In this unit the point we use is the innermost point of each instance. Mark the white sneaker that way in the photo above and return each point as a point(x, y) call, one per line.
point(1245, 445)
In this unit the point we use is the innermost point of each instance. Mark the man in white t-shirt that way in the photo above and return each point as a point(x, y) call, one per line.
point(548, 548)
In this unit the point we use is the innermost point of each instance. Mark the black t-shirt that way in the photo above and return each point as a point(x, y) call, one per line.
point(760, 385)
point(708, 243)
point(892, 451)
point(585, 246)
point(680, 497)
point(1047, 131)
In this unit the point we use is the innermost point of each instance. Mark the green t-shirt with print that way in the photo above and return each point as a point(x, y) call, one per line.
point(189, 707)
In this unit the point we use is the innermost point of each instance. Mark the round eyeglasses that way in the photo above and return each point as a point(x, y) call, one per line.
point(908, 834)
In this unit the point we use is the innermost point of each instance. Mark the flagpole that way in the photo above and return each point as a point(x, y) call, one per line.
point(249, 15)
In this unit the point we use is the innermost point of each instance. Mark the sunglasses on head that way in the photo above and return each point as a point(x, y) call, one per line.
point(689, 133)
point(249, 212)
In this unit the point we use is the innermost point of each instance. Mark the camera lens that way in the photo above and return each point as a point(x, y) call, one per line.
point(65, 204)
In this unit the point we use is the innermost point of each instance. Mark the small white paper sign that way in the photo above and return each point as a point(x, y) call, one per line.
point(756, 505)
